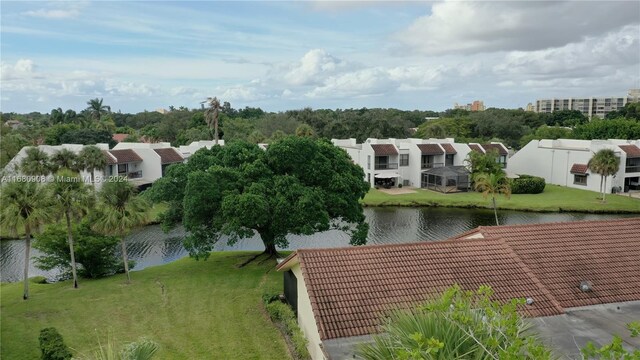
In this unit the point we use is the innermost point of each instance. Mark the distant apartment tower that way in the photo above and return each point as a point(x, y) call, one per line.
point(477, 105)
point(590, 107)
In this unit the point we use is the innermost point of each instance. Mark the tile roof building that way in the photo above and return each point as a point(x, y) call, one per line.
point(341, 294)
point(140, 163)
point(564, 162)
point(406, 161)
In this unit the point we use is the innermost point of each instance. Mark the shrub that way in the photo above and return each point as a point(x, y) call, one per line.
point(527, 184)
point(94, 252)
point(268, 298)
point(52, 345)
point(283, 314)
point(279, 311)
point(38, 280)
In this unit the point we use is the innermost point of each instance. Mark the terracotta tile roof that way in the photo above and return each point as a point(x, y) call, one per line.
point(125, 156)
point(579, 169)
point(631, 150)
point(169, 156)
point(384, 149)
point(448, 148)
point(501, 150)
point(430, 149)
point(350, 288)
point(476, 147)
point(119, 137)
point(562, 255)
point(110, 158)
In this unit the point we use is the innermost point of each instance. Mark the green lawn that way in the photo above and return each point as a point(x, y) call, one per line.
point(194, 310)
point(554, 198)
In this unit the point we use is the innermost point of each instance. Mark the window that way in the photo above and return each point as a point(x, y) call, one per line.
point(448, 160)
point(109, 170)
point(404, 159)
point(580, 179)
point(369, 162)
point(122, 169)
point(369, 178)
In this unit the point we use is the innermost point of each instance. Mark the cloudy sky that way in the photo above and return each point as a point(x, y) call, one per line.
point(323, 54)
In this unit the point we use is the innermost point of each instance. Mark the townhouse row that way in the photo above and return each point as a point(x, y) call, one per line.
point(140, 163)
point(437, 164)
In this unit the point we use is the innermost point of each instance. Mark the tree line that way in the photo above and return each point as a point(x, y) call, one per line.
point(181, 126)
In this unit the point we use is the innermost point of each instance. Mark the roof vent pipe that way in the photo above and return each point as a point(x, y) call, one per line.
point(586, 286)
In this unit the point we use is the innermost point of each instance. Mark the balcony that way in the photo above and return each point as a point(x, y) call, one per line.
point(135, 175)
point(431, 165)
point(386, 166)
point(632, 165)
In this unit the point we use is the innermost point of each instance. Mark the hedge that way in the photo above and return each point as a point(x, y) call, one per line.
point(527, 184)
point(282, 313)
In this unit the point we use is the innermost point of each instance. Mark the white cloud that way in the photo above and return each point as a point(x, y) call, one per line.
point(314, 66)
point(594, 57)
point(466, 27)
point(22, 69)
point(53, 13)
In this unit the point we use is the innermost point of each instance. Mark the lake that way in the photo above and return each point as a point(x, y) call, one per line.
point(149, 246)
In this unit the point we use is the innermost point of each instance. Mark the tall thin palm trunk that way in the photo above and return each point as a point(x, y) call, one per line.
point(601, 189)
point(73, 256)
point(93, 180)
point(604, 190)
point(215, 130)
point(27, 250)
point(125, 258)
point(495, 210)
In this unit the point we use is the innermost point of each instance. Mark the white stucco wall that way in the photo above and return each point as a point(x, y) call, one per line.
point(553, 159)
point(306, 320)
point(360, 154)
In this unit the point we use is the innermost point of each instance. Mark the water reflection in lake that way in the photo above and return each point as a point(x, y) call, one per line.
point(150, 246)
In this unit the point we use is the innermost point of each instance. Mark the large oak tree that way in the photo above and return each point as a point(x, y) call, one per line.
point(297, 186)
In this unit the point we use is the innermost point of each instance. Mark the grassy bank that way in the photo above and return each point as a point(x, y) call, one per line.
point(152, 218)
point(194, 310)
point(554, 198)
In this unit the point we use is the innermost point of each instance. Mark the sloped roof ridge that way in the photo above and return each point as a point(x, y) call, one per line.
point(528, 271)
point(482, 229)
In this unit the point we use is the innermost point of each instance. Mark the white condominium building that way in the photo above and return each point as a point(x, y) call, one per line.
point(591, 106)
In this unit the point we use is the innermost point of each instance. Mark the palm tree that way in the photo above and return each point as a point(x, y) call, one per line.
point(606, 163)
point(96, 109)
point(65, 159)
point(24, 205)
point(36, 163)
point(493, 184)
point(73, 199)
point(119, 211)
point(304, 130)
point(212, 115)
point(91, 159)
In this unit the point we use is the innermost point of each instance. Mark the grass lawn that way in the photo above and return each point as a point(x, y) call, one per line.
point(554, 198)
point(195, 310)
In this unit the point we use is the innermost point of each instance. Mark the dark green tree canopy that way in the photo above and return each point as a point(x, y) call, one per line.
point(297, 186)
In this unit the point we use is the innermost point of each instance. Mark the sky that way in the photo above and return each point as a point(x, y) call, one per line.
point(281, 55)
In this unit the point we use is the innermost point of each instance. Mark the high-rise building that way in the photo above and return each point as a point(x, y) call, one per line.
point(477, 105)
point(590, 107)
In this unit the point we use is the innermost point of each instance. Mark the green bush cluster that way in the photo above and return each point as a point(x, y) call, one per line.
point(52, 345)
point(527, 184)
point(282, 313)
point(95, 253)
